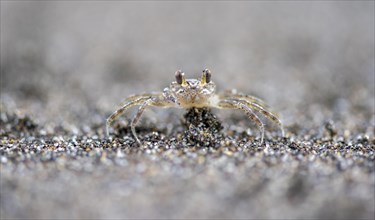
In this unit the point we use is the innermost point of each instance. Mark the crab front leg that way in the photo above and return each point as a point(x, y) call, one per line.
point(235, 94)
point(259, 106)
point(268, 114)
point(233, 104)
point(157, 101)
point(143, 101)
point(129, 102)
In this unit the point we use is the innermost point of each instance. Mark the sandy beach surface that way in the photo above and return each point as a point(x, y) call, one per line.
point(66, 66)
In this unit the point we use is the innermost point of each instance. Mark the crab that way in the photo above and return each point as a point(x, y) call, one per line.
point(196, 93)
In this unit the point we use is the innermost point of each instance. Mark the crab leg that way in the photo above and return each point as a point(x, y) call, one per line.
point(158, 101)
point(137, 117)
point(129, 102)
point(143, 101)
point(228, 95)
point(135, 97)
point(234, 104)
point(268, 114)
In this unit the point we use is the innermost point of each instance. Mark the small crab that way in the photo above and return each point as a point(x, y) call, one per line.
point(196, 93)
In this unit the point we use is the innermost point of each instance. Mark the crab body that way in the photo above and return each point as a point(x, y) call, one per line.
point(196, 93)
point(193, 93)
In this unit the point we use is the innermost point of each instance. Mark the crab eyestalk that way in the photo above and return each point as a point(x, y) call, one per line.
point(206, 76)
point(180, 77)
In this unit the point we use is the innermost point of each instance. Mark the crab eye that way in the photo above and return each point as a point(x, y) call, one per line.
point(206, 76)
point(179, 76)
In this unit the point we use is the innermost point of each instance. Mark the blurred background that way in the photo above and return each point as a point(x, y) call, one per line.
point(63, 60)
